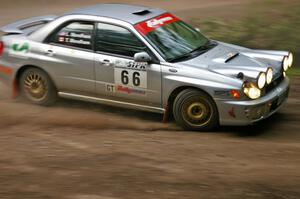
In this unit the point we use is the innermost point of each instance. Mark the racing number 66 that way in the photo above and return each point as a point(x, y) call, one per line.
point(135, 78)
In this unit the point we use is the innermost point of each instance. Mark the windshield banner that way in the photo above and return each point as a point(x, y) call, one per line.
point(148, 26)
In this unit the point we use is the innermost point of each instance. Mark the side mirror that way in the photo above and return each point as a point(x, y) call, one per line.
point(142, 57)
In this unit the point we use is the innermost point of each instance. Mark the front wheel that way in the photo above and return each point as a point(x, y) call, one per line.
point(195, 110)
point(37, 87)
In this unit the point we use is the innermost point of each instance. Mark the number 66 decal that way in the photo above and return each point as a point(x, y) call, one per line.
point(131, 78)
point(136, 81)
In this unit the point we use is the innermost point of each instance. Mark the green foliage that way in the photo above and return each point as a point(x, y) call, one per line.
point(268, 24)
point(294, 72)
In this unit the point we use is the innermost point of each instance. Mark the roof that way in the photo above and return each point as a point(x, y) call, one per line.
point(130, 13)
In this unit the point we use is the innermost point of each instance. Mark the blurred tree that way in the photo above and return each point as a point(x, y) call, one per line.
point(268, 24)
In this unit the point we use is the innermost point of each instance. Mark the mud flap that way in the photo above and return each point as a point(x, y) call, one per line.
point(166, 114)
point(15, 89)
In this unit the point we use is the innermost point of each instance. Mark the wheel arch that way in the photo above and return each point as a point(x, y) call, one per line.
point(179, 89)
point(20, 71)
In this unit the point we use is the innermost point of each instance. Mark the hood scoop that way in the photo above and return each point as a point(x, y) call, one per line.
point(231, 56)
point(227, 58)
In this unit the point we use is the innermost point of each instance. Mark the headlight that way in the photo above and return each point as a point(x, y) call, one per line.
point(261, 80)
point(290, 59)
point(269, 75)
point(285, 63)
point(252, 91)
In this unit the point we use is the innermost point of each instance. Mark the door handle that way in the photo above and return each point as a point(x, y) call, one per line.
point(105, 62)
point(49, 52)
point(173, 70)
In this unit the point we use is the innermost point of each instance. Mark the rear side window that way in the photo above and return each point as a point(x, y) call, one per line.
point(75, 34)
point(117, 40)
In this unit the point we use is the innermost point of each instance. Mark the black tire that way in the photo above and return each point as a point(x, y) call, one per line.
point(195, 110)
point(37, 87)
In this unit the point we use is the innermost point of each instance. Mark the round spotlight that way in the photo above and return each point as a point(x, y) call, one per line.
point(261, 80)
point(269, 75)
point(252, 91)
point(285, 63)
point(290, 59)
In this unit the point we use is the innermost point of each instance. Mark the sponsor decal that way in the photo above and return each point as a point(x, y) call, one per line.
point(128, 90)
point(155, 23)
point(19, 49)
point(137, 65)
point(5, 70)
point(131, 65)
point(148, 26)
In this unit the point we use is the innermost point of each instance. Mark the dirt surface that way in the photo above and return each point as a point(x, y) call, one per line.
point(78, 150)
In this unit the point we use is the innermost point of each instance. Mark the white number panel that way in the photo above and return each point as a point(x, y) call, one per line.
point(131, 78)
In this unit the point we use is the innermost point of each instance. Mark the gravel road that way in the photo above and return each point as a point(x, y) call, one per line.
point(78, 150)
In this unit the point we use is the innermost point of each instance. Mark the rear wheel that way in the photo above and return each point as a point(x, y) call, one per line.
point(37, 87)
point(195, 110)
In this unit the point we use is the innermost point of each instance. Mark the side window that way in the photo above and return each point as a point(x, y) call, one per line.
point(117, 40)
point(76, 34)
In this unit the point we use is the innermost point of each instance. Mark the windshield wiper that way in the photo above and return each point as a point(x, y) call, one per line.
point(181, 57)
point(208, 45)
point(196, 52)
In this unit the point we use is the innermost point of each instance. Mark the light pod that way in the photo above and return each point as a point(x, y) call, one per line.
point(269, 75)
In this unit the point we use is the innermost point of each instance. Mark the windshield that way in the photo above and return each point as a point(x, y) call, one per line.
point(174, 39)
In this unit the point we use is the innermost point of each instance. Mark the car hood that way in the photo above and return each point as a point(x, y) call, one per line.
point(230, 60)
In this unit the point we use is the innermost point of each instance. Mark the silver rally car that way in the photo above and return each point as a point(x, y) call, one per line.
point(142, 58)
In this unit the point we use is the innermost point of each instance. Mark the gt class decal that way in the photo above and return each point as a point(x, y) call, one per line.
point(19, 50)
point(148, 26)
point(110, 88)
point(131, 77)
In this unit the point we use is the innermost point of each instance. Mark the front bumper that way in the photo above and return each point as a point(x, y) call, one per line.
point(250, 111)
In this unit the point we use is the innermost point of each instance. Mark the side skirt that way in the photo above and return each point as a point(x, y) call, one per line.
point(111, 102)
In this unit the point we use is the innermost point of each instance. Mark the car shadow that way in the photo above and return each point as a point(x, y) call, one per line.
point(261, 128)
point(101, 108)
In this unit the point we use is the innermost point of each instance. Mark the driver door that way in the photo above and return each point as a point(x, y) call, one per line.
point(118, 76)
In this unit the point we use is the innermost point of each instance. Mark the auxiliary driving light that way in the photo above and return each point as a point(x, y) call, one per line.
point(252, 91)
point(261, 80)
point(269, 75)
point(285, 64)
point(290, 59)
